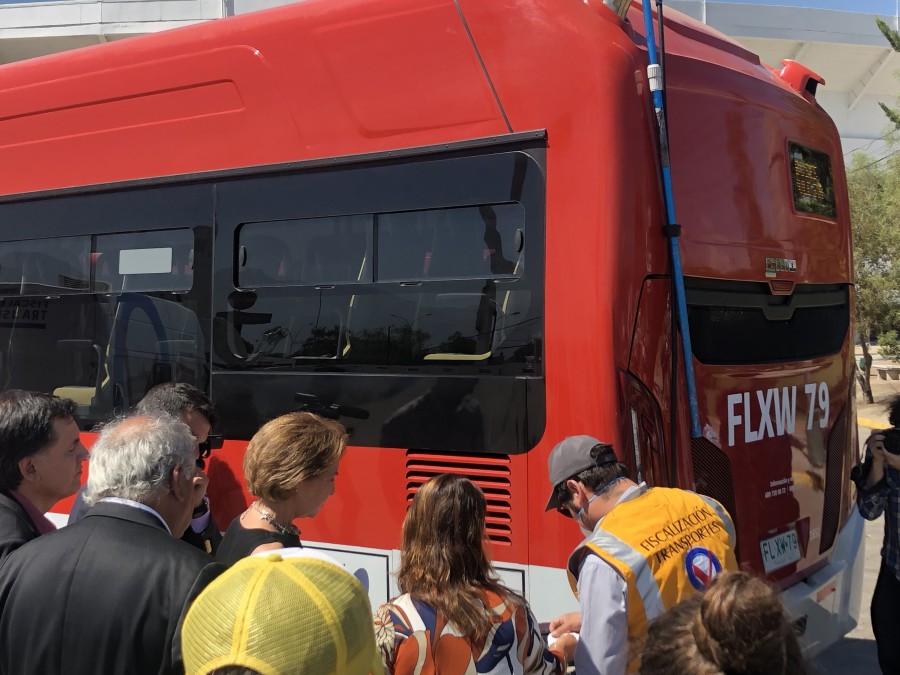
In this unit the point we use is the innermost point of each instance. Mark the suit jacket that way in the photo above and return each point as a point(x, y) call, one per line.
point(208, 540)
point(105, 595)
point(16, 527)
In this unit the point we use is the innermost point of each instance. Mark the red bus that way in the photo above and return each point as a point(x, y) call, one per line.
point(442, 223)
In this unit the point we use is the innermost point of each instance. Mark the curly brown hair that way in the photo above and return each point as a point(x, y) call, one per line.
point(737, 626)
point(443, 561)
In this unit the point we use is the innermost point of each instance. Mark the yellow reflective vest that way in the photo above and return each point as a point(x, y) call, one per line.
point(666, 544)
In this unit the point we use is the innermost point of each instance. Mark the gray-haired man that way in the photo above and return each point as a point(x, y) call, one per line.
point(105, 594)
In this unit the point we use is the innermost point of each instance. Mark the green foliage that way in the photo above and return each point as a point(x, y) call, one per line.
point(894, 39)
point(891, 114)
point(874, 189)
point(889, 344)
point(889, 33)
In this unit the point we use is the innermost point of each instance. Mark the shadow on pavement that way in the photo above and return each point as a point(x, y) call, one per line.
point(848, 655)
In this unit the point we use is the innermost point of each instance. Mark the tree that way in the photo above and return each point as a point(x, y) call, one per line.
point(894, 39)
point(874, 187)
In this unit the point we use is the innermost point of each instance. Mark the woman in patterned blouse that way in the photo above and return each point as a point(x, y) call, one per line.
point(454, 616)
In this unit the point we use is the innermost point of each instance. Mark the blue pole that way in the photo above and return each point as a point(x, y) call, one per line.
point(654, 75)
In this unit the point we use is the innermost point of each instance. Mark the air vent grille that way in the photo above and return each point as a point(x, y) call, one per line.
point(835, 479)
point(489, 472)
point(712, 475)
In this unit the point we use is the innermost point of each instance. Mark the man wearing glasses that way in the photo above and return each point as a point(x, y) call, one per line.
point(645, 550)
point(190, 405)
point(105, 595)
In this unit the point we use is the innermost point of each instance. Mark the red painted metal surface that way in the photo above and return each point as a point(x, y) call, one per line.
point(328, 78)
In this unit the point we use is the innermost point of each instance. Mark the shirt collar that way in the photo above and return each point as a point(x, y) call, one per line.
point(41, 523)
point(138, 505)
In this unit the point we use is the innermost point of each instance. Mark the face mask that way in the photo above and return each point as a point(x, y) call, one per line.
point(582, 509)
point(585, 531)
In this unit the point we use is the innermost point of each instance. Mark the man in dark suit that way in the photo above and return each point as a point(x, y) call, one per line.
point(105, 595)
point(40, 463)
point(187, 403)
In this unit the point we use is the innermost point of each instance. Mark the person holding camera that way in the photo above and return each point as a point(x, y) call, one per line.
point(878, 482)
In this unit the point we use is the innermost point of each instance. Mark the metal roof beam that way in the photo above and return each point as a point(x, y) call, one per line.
point(865, 82)
point(801, 51)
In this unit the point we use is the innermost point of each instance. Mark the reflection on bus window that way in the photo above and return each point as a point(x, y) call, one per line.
point(45, 266)
point(439, 286)
point(100, 323)
point(144, 261)
point(313, 251)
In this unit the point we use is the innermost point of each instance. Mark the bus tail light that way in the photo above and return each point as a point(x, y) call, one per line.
point(644, 442)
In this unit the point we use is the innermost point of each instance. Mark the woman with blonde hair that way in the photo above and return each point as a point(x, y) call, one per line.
point(454, 616)
point(737, 626)
point(290, 466)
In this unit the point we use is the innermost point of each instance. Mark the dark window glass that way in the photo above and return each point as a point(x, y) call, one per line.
point(307, 252)
point(113, 263)
point(811, 181)
point(738, 323)
point(445, 287)
point(45, 266)
point(144, 261)
point(464, 243)
point(100, 323)
point(391, 293)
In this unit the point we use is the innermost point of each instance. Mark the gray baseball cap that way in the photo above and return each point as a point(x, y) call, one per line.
point(570, 457)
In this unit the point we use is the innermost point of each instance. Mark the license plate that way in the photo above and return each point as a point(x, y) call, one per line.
point(780, 550)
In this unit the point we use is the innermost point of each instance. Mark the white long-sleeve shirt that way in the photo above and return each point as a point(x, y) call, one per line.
point(603, 595)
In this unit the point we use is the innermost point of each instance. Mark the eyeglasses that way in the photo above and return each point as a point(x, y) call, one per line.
point(564, 511)
point(212, 442)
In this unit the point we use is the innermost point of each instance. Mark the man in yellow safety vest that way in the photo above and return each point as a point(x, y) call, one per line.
point(645, 550)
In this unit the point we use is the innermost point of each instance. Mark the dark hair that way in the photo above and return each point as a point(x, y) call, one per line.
point(893, 407)
point(234, 670)
point(175, 399)
point(596, 476)
point(443, 562)
point(738, 626)
point(26, 428)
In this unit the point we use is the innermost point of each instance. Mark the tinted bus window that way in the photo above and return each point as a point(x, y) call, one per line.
point(396, 289)
point(466, 243)
point(99, 318)
point(306, 252)
point(144, 261)
point(134, 261)
point(45, 266)
point(365, 296)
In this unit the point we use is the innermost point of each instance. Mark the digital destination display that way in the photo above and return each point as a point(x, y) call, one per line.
point(811, 181)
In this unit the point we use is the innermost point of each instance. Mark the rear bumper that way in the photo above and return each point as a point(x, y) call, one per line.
point(826, 605)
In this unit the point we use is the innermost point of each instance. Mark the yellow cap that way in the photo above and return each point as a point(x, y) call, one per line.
point(282, 616)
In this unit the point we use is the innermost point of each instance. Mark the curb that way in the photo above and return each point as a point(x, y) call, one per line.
point(871, 424)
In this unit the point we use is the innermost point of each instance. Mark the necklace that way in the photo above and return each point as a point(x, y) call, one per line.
point(269, 517)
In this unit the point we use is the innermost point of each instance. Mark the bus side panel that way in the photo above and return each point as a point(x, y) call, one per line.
point(302, 82)
point(603, 212)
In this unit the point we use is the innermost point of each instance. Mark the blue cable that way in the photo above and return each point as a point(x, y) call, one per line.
point(654, 74)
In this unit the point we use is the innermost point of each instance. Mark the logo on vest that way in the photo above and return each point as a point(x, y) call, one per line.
point(702, 567)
